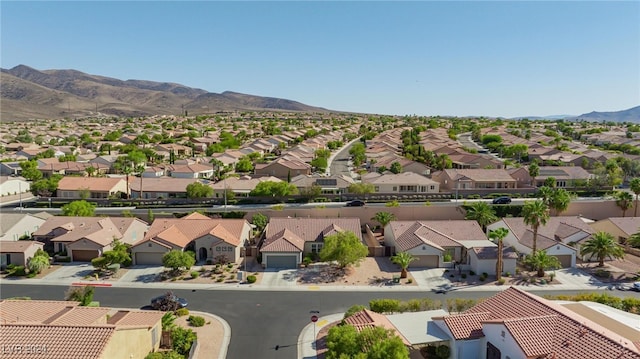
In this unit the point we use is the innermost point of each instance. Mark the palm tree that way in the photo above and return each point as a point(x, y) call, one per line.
point(545, 193)
point(497, 235)
point(403, 259)
point(634, 185)
point(634, 240)
point(541, 261)
point(481, 212)
point(560, 200)
point(384, 218)
point(624, 200)
point(602, 245)
point(535, 213)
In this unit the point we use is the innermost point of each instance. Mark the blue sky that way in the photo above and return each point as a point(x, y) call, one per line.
point(503, 58)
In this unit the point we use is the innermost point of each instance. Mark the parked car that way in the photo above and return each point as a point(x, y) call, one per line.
point(355, 203)
point(636, 286)
point(502, 200)
point(168, 302)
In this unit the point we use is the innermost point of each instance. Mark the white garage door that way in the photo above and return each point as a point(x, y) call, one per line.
point(284, 262)
point(425, 261)
point(149, 258)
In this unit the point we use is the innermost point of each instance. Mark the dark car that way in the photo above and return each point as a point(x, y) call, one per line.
point(168, 302)
point(502, 200)
point(355, 203)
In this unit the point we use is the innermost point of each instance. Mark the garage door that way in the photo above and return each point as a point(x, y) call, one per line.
point(149, 258)
point(284, 262)
point(565, 260)
point(84, 255)
point(425, 262)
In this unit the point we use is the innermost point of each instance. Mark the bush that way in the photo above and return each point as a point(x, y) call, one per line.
point(16, 271)
point(63, 259)
point(182, 312)
point(195, 274)
point(464, 275)
point(507, 274)
point(472, 272)
point(115, 267)
point(182, 339)
point(384, 305)
point(196, 321)
point(353, 310)
point(501, 281)
point(251, 279)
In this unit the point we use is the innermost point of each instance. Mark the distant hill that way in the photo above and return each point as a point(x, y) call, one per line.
point(630, 115)
point(27, 93)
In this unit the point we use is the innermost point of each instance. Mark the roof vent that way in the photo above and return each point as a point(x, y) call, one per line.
point(582, 332)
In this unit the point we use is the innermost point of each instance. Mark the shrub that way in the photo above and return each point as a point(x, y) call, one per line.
point(472, 272)
point(196, 321)
point(182, 312)
point(195, 274)
point(16, 271)
point(447, 257)
point(464, 275)
point(182, 339)
point(251, 279)
point(507, 274)
point(115, 267)
point(481, 278)
point(384, 305)
point(501, 281)
point(353, 310)
point(409, 281)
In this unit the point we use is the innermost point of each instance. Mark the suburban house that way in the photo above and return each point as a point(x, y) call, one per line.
point(196, 170)
point(560, 237)
point(63, 329)
point(517, 324)
point(283, 168)
point(212, 239)
point(241, 186)
point(437, 244)
point(451, 179)
point(401, 183)
point(166, 149)
point(18, 252)
point(565, 177)
point(10, 168)
point(408, 165)
point(13, 185)
point(620, 227)
point(91, 187)
point(85, 238)
point(286, 240)
point(14, 226)
point(334, 184)
point(160, 188)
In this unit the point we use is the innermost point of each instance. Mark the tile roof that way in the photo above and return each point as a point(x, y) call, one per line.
point(310, 229)
point(31, 311)
point(17, 246)
point(79, 316)
point(283, 241)
point(629, 225)
point(53, 341)
point(542, 329)
point(368, 319)
point(103, 184)
point(439, 234)
point(556, 229)
point(162, 184)
point(480, 175)
point(135, 318)
point(492, 252)
point(101, 230)
point(181, 231)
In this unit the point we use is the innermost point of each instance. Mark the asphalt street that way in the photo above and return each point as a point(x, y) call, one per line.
point(259, 320)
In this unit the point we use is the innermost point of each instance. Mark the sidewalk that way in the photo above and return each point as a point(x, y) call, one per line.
point(308, 335)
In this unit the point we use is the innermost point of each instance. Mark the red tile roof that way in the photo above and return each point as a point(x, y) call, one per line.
point(307, 230)
point(181, 231)
point(284, 241)
point(438, 234)
point(368, 319)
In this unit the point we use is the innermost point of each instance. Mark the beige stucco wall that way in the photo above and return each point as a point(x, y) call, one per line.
point(214, 246)
point(132, 343)
point(85, 244)
point(135, 232)
point(606, 226)
point(24, 226)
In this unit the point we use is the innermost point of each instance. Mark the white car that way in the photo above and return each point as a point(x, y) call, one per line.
point(636, 286)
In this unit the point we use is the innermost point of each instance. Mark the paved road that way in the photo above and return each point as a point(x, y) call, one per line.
point(339, 162)
point(259, 320)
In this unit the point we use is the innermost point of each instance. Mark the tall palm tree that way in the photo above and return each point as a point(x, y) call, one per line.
point(634, 185)
point(497, 235)
point(602, 245)
point(541, 261)
point(535, 213)
point(403, 259)
point(481, 212)
point(560, 200)
point(634, 240)
point(384, 218)
point(624, 200)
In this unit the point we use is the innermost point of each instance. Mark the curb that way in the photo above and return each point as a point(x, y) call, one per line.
point(90, 284)
point(226, 337)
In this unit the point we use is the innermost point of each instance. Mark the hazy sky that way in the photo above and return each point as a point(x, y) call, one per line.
point(502, 58)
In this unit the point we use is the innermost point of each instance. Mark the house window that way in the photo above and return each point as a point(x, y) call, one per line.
point(316, 247)
point(395, 189)
point(432, 187)
point(149, 245)
point(502, 334)
point(493, 352)
point(229, 249)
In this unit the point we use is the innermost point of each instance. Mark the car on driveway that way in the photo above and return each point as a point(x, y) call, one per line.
point(355, 203)
point(502, 200)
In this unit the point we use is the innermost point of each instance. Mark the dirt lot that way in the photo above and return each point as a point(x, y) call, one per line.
point(222, 274)
point(371, 271)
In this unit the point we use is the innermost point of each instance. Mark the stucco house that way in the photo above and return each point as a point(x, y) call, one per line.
point(212, 239)
point(18, 252)
point(517, 324)
point(565, 177)
point(161, 188)
point(13, 185)
point(401, 183)
point(96, 187)
point(451, 179)
point(560, 237)
point(437, 244)
point(288, 239)
point(72, 331)
point(334, 184)
point(620, 227)
point(284, 167)
point(241, 186)
point(14, 226)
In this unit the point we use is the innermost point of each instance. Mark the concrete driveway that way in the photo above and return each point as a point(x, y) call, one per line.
point(430, 278)
point(274, 278)
point(141, 274)
point(70, 273)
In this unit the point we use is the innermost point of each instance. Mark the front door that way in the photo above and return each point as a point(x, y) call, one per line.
point(202, 254)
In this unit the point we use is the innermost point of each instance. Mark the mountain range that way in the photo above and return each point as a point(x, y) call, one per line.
point(27, 93)
point(629, 115)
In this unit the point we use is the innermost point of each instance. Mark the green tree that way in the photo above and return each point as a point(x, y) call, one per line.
point(535, 214)
point(199, 190)
point(274, 189)
point(634, 185)
point(497, 235)
point(624, 200)
point(38, 263)
point(396, 167)
point(182, 339)
point(45, 187)
point(534, 171)
point(320, 163)
point(403, 259)
point(244, 165)
point(634, 240)
point(30, 170)
point(361, 188)
point(177, 260)
point(344, 341)
point(83, 294)
point(383, 218)
point(168, 321)
point(601, 246)
point(80, 208)
point(344, 248)
point(260, 221)
point(560, 200)
point(482, 213)
point(541, 261)
point(119, 254)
